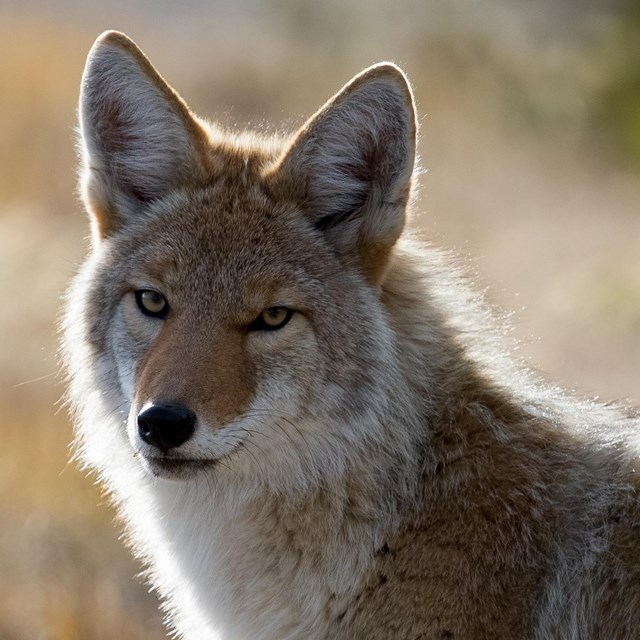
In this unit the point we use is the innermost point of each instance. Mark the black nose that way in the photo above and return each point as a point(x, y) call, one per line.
point(166, 426)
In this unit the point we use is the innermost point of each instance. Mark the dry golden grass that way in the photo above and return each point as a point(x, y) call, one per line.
point(546, 220)
point(39, 76)
point(65, 575)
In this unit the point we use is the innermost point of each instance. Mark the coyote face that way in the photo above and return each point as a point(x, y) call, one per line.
point(229, 326)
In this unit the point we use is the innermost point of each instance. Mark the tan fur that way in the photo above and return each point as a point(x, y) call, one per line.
point(379, 467)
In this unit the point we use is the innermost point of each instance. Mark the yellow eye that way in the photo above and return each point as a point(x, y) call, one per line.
point(275, 316)
point(152, 303)
point(271, 319)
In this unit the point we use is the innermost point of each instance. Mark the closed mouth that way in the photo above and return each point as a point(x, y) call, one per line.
point(175, 468)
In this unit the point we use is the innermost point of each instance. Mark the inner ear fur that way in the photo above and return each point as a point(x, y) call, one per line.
point(139, 140)
point(350, 167)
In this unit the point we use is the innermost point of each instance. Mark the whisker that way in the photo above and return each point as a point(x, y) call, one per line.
point(208, 480)
point(270, 413)
point(245, 446)
point(289, 419)
point(34, 380)
point(226, 466)
point(295, 426)
point(291, 440)
point(240, 429)
point(118, 409)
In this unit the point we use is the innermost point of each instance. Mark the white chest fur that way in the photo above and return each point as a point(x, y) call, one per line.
point(235, 566)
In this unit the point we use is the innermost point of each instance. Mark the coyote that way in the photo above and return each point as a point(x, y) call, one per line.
point(307, 421)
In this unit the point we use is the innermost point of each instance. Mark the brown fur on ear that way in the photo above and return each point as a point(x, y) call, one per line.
point(139, 138)
point(351, 164)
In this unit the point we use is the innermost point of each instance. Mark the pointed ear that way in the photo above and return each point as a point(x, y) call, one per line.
point(350, 166)
point(138, 138)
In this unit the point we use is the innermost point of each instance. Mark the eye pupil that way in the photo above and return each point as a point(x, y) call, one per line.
point(152, 303)
point(275, 315)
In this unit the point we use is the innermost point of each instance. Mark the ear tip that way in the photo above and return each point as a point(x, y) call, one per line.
point(387, 72)
point(386, 67)
point(113, 42)
point(110, 57)
point(113, 38)
point(107, 54)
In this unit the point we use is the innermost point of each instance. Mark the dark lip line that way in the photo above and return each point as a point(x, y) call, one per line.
point(178, 465)
point(176, 459)
point(176, 462)
point(177, 468)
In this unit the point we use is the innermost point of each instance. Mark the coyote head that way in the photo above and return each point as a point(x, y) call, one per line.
point(230, 315)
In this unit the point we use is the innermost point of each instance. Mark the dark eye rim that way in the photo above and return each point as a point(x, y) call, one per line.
point(162, 314)
point(260, 325)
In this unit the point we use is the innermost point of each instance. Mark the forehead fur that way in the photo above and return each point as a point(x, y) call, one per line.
point(232, 229)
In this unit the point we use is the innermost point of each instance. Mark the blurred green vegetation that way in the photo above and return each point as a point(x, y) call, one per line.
point(618, 107)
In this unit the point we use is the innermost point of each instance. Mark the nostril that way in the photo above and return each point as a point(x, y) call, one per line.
point(166, 426)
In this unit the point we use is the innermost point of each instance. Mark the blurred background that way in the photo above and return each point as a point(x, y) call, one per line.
point(530, 131)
